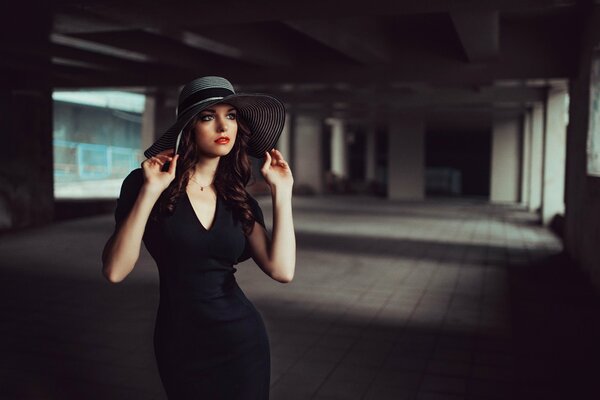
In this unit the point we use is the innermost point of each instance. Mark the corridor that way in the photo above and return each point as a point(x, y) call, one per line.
point(440, 299)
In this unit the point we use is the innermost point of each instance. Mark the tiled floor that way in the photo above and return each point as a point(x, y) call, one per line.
point(443, 299)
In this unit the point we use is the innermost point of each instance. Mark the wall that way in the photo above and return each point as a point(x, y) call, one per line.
point(582, 196)
point(26, 196)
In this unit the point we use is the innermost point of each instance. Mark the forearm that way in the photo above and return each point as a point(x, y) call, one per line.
point(123, 248)
point(283, 246)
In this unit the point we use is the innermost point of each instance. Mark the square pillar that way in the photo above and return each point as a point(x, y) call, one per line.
point(158, 116)
point(406, 165)
point(284, 142)
point(526, 158)
point(308, 160)
point(537, 159)
point(371, 155)
point(554, 155)
point(504, 182)
point(26, 121)
point(339, 148)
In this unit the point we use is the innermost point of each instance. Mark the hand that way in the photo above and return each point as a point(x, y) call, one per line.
point(154, 177)
point(276, 171)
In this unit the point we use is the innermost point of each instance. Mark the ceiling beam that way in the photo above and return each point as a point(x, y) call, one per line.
point(99, 48)
point(237, 11)
point(224, 43)
point(77, 21)
point(144, 46)
point(436, 73)
point(359, 39)
point(530, 50)
point(258, 46)
point(376, 115)
point(439, 96)
point(479, 33)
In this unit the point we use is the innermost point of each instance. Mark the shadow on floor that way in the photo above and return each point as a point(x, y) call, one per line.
point(67, 338)
point(556, 325)
point(373, 246)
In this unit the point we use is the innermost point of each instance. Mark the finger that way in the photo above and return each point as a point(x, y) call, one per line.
point(267, 160)
point(164, 157)
point(157, 161)
point(276, 155)
point(173, 165)
point(274, 158)
point(279, 156)
point(161, 161)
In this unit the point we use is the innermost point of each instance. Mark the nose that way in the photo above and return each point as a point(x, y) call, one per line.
point(222, 125)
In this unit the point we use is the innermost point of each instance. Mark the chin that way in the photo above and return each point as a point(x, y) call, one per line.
point(219, 152)
point(223, 152)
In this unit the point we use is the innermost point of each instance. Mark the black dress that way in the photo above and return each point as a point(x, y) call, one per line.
point(210, 342)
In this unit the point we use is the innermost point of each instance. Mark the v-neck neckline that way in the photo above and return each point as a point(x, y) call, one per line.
point(196, 215)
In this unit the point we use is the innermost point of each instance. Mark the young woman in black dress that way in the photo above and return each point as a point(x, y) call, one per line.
point(189, 206)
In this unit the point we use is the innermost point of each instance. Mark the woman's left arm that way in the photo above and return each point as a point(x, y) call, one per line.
point(277, 258)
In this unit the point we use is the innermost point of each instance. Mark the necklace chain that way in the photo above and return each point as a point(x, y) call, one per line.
point(201, 187)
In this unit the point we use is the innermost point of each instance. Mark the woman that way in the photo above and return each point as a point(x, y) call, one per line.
point(192, 211)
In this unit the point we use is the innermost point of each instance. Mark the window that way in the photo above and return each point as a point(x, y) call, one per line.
point(97, 142)
point(593, 143)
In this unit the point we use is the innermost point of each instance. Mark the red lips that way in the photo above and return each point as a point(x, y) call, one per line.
point(222, 140)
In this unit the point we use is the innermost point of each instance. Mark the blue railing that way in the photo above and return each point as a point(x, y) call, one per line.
point(75, 161)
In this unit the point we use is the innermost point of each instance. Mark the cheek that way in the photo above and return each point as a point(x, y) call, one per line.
point(202, 134)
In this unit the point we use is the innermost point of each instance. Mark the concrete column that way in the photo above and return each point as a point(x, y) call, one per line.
point(284, 142)
point(371, 154)
point(339, 148)
point(159, 115)
point(26, 172)
point(537, 160)
point(526, 159)
point(148, 129)
point(406, 167)
point(554, 155)
point(504, 180)
point(308, 160)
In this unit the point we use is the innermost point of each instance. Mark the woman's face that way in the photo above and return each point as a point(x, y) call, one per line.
point(214, 124)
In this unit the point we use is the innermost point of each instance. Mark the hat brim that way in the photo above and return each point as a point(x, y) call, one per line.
point(264, 115)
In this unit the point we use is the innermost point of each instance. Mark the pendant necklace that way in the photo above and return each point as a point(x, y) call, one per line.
point(201, 187)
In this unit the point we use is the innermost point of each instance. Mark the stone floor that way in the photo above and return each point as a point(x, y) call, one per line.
point(442, 299)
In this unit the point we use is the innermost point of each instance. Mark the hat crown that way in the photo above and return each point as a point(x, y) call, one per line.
point(263, 114)
point(204, 83)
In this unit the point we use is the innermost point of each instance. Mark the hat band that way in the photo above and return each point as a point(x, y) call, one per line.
point(202, 95)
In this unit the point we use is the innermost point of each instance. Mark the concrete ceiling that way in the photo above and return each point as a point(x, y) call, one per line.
point(327, 57)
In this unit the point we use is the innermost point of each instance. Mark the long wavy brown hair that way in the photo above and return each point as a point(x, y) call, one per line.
point(231, 178)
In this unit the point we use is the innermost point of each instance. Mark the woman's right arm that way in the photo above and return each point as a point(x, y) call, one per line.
point(122, 249)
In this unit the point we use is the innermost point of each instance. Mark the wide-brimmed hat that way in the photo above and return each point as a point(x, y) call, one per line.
point(263, 114)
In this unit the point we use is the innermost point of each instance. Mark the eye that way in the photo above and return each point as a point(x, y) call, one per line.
point(206, 117)
point(232, 115)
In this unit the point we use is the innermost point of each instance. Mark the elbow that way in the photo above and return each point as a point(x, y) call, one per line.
point(115, 270)
point(114, 280)
point(283, 278)
point(111, 275)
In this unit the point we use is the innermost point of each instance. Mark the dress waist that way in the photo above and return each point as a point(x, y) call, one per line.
point(206, 295)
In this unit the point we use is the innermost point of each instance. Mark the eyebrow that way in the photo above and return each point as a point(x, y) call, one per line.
point(211, 110)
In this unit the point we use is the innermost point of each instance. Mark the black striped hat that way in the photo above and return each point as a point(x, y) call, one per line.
point(264, 115)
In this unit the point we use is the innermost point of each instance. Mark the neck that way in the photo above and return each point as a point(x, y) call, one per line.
point(205, 169)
